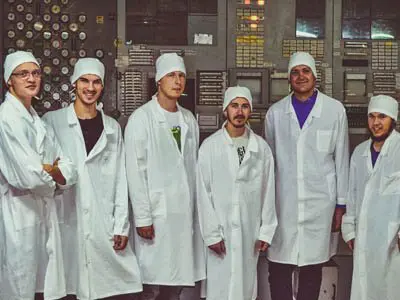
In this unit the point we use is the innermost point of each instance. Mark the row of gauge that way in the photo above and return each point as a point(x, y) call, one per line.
point(55, 33)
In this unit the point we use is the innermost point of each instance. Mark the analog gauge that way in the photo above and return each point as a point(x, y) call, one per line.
point(82, 53)
point(65, 87)
point(11, 34)
point(64, 104)
point(11, 16)
point(29, 50)
point(38, 26)
point(47, 87)
point(11, 1)
point(64, 52)
point(64, 35)
point(65, 2)
point(10, 50)
point(28, 1)
point(29, 34)
point(82, 36)
point(39, 60)
point(65, 70)
point(47, 52)
point(47, 1)
point(47, 104)
point(29, 17)
point(56, 96)
point(56, 44)
point(47, 70)
point(20, 43)
point(73, 27)
point(56, 61)
point(64, 18)
point(72, 61)
point(56, 26)
point(46, 17)
point(99, 53)
point(20, 26)
point(47, 35)
point(20, 8)
point(82, 18)
point(55, 9)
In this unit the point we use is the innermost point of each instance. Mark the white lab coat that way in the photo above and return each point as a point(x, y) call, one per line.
point(95, 211)
point(162, 183)
point(373, 219)
point(236, 204)
point(33, 252)
point(311, 175)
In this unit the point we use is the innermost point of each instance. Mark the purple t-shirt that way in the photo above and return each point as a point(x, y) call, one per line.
point(374, 155)
point(303, 108)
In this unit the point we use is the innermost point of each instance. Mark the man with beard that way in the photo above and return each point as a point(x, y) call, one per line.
point(371, 225)
point(33, 167)
point(162, 140)
point(308, 135)
point(236, 201)
point(100, 262)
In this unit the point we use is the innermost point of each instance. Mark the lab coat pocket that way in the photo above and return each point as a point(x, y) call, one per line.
point(390, 185)
point(324, 140)
point(157, 202)
point(25, 210)
point(393, 230)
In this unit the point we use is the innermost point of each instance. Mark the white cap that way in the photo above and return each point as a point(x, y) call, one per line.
point(15, 59)
point(167, 63)
point(385, 105)
point(88, 65)
point(302, 58)
point(234, 92)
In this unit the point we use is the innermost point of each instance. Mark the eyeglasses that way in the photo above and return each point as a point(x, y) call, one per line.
point(24, 74)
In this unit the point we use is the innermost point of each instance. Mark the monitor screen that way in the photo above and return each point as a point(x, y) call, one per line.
point(254, 84)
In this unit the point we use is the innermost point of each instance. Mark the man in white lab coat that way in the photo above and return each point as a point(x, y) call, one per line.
point(100, 261)
point(33, 167)
point(371, 225)
point(161, 151)
point(236, 201)
point(308, 135)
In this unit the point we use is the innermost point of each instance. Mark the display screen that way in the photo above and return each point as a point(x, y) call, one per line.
point(384, 29)
point(254, 85)
point(310, 28)
point(356, 29)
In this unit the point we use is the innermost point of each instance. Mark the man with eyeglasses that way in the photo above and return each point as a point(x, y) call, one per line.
point(308, 135)
point(100, 261)
point(33, 167)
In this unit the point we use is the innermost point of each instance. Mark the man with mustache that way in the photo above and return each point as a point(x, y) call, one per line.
point(33, 167)
point(371, 225)
point(162, 140)
point(95, 231)
point(308, 135)
point(236, 194)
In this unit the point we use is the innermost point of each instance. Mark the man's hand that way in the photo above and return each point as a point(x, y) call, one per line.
point(351, 244)
point(219, 248)
point(261, 246)
point(55, 172)
point(120, 242)
point(337, 218)
point(146, 232)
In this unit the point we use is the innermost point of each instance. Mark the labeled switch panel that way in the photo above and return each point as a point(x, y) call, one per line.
point(211, 86)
